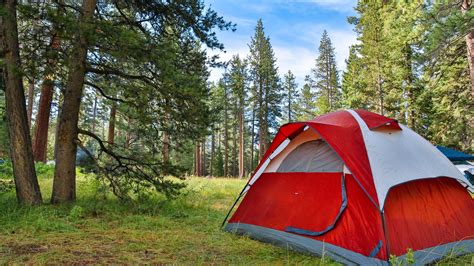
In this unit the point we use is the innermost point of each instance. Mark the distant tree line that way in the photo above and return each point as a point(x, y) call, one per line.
point(413, 61)
point(121, 88)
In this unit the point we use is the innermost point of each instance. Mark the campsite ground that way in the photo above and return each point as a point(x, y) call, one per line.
point(100, 229)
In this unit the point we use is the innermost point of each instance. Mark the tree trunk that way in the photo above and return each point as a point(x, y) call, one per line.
point(94, 115)
point(410, 88)
point(252, 141)
point(241, 144)
point(40, 140)
point(31, 100)
point(265, 140)
point(165, 152)
point(226, 137)
point(166, 147)
point(197, 162)
point(466, 6)
point(27, 188)
point(203, 157)
point(261, 124)
point(234, 150)
point(112, 118)
point(213, 148)
point(128, 135)
point(64, 184)
point(289, 105)
point(195, 156)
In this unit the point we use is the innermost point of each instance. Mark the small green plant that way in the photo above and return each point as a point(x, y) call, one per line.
point(76, 213)
point(410, 257)
point(394, 260)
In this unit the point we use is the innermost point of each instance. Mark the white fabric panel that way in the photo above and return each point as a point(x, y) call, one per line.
point(264, 166)
point(400, 156)
point(312, 156)
point(301, 138)
point(260, 171)
point(279, 148)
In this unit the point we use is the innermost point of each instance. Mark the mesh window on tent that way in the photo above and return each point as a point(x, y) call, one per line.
point(312, 156)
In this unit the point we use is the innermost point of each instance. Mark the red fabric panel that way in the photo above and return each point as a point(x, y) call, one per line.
point(311, 201)
point(342, 132)
point(426, 213)
point(374, 120)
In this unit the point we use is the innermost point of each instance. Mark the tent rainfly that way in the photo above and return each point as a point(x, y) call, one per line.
point(454, 155)
point(358, 187)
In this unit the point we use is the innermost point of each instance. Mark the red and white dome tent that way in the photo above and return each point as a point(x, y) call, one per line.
point(359, 187)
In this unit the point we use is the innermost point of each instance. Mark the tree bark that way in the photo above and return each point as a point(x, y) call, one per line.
point(40, 139)
point(261, 123)
point(128, 135)
point(466, 6)
point(213, 148)
point(234, 150)
point(226, 136)
point(265, 139)
point(112, 119)
point(64, 184)
point(252, 141)
point(410, 87)
point(165, 152)
point(241, 144)
point(203, 157)
point(166, 147)
point(31, 99)
point(26, 183)
point(94, 115)
point(197, 161)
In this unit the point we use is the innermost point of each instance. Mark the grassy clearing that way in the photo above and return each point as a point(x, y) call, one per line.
point(100, 229)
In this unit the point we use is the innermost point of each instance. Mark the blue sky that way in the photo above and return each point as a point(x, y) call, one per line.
point(294, 27)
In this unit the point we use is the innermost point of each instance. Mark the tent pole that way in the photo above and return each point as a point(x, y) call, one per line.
point(233, 205)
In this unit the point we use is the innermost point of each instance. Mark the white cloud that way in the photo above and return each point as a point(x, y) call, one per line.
point(309, 35)
point(299, 60)
point(342, 40)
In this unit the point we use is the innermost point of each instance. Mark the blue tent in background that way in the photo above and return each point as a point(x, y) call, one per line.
point(454, 155)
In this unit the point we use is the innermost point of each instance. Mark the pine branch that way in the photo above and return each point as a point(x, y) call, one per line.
point(102, 92)
point(116, 72)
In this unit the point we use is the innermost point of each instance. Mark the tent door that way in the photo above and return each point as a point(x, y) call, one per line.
point(343, 206)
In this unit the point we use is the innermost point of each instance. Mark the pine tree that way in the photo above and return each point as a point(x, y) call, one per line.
point(266, 84)
point(238, 85)
point(291, 95)
point(325, 78)
point(306, 108)
point(353, 84)
point(369, 27)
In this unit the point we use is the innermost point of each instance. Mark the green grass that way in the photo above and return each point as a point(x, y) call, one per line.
point(100, 229)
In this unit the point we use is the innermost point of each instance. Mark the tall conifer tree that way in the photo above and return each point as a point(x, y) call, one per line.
point(325, 78)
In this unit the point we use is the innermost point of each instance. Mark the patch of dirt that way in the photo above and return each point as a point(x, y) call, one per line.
point(25, 249)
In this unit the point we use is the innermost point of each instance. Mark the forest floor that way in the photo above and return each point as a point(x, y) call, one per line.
point(99, 229)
